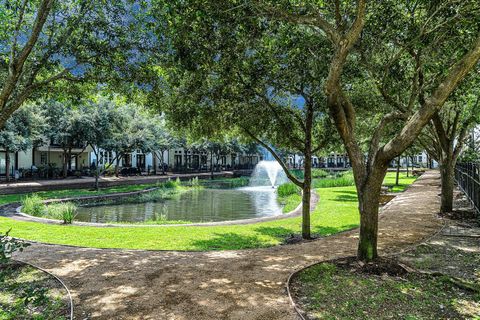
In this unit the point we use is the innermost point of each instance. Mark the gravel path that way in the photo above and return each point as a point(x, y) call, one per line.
point(249, 284)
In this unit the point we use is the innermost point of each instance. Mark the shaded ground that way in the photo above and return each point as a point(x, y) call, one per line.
point(29, 293)
point(441, 279)
point(455, 251)
point(345, 289)
point(248, 284)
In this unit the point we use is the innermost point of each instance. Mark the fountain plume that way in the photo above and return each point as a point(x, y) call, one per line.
point(268, 173)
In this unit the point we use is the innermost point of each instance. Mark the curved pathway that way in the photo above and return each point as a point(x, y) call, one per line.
point(249, 284)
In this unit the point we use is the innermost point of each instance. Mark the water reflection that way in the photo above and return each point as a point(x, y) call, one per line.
point(197, 206)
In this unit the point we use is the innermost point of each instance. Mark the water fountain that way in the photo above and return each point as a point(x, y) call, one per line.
point(268, 173)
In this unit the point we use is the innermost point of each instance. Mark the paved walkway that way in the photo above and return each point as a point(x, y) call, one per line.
point(249, 284)
point(88, 182)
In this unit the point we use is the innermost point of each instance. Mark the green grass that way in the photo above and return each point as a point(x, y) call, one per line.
point(336, 211)
point(28, 293)
point(404, 181)
point(290, 202)
point(344, 180)
point(329, 292)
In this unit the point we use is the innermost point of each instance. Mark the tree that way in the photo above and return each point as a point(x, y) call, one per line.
point(161, 140)
point(46, 44)
point(69, 127)
point(263, 88)
point(414, 32)
point(444, 139)
point(20, 132)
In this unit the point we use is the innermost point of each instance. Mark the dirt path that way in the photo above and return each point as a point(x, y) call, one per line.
point(249, 284)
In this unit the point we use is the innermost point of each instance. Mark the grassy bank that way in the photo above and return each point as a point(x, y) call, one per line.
point(337, 211)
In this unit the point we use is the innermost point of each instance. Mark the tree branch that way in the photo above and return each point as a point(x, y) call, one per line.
point(277, 157)
point(433, 103)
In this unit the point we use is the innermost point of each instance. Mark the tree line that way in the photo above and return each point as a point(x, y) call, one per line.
point(107, 126)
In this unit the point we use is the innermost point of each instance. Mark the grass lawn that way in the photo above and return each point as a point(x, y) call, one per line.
point(403, 181)
point(327, 291)
point(335, 212)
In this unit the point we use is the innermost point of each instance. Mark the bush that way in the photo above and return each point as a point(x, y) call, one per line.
point(287, 189)
point(169, 184)
point(33, 205)
point(344, 180)
point(69, 212)
point(319, 173)
point(8, 245)
point(62, 211)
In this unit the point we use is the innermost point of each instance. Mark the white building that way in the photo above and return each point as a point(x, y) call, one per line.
point(46, 161)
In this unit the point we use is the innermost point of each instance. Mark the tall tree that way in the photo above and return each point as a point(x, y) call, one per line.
point(445, 138)
point(265, 88)
point(363, 34)
point(69, 127)
point(234, 66)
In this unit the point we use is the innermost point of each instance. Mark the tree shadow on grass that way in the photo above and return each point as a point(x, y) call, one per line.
point(328, 231)
point(346, 198)
point(277, 232)
point(229, 241)
point(345, 192)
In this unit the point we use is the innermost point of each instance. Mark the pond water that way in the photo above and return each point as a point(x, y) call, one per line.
point(204, 205)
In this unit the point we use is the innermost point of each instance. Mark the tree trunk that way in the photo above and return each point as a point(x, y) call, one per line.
point(7, 164)
point(407, 166)
point(154, 153)
point(368, 204)
point(97, 173)
point(398, 171)
point(447, 176)
point(162, 162)
point(69, 159)
point(117, 166)
point(211, 165)
point(65, 155)
point(307, 186)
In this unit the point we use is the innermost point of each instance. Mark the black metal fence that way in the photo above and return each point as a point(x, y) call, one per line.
point(467, 176)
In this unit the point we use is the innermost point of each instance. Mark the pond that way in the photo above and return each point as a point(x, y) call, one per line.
point(204, 205)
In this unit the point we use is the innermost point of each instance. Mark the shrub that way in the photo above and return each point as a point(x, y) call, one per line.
point(346, 179)
point(287, 189)
point(69, 212)
point(319, 173)
point(62, 211)
point(33, 205)
point(169, 184)
point(8, 245)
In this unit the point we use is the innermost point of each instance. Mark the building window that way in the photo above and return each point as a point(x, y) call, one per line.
point(43, 158)
point(420, 159)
